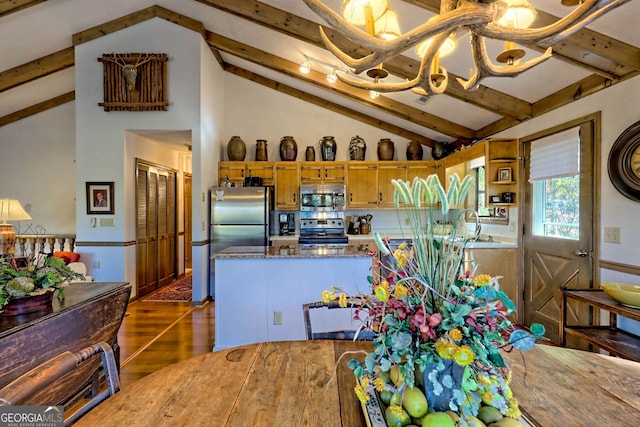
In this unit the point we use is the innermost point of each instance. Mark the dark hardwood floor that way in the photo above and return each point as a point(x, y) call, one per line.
point(157, 334)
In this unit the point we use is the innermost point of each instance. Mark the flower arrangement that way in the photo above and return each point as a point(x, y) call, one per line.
point(436, 329)
point(40, 275)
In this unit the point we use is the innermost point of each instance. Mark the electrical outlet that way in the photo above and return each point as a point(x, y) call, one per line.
point(107, 222)
point(95, 264)
point(277, 318)
point(612, 234)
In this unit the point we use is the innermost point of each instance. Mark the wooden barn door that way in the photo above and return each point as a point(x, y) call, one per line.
point(156, 247)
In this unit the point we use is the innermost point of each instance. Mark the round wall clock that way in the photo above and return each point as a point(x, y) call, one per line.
point(624, 163)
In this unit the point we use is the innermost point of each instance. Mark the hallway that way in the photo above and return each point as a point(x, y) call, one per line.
point(157, 334)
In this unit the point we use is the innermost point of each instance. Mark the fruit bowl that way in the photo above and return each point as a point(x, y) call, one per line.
point(625, 293)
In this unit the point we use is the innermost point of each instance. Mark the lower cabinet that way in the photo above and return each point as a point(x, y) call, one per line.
point(501, 262)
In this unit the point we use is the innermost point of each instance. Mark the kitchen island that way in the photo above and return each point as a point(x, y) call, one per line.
point(260, 290)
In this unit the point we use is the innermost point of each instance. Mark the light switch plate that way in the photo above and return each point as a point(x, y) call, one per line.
point(612, 234)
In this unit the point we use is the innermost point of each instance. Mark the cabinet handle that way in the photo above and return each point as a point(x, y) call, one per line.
point(380, 197)
point(351, 197)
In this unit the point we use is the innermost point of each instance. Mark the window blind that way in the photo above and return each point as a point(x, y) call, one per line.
point(555, 156)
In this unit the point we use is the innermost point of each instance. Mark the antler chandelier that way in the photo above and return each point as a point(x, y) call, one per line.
point(505, 20)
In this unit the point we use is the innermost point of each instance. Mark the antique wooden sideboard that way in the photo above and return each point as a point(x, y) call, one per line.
point(90, 313)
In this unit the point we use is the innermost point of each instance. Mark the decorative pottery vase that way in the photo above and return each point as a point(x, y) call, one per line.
point(357, 148)
point(328, 148)
point(236, 149)
point(261, 150)
point(26, 305)
point(288, 149)
point(310, 154)
point(414, 151)
point(438, 150)
point(386, 149)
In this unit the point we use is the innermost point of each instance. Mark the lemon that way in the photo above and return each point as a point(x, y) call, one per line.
point(475, 422)
point(506, 422)
point(438, 419)
point(385, 396)
point(396, 376)
point(396, 399)
point(415, 402)
point(455, 417)
point(489, 414)
point(395, 416)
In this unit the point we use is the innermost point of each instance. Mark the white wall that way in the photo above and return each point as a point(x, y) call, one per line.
point(101, 136)
point(257, 112)
point(206, 149)
point(37, 167)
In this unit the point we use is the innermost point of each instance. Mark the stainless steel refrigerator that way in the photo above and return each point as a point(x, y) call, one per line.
point(239, 217)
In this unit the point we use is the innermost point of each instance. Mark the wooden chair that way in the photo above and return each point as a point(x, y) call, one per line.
point(21, 390)
point(331, 335)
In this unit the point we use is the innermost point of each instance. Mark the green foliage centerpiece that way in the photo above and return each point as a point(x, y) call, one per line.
point(438, 332)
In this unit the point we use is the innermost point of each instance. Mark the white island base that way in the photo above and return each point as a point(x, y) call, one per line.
point(257, 288)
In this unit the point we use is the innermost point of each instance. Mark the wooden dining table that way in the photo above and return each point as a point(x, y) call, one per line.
point(308, 383)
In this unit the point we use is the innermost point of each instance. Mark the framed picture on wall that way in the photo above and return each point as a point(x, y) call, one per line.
point(100, 198)
point(504, 174)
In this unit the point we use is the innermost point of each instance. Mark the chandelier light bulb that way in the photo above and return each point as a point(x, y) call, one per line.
point(374, 94)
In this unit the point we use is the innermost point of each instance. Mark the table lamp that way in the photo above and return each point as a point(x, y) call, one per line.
point(10, 210)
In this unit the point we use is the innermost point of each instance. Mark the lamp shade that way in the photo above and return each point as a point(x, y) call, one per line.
point(387, 27)
point(520, 14)
point(355, 11)
point(12, 210)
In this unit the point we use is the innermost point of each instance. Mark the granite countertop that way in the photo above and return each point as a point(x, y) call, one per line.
point(499, 242)
point(290, 251)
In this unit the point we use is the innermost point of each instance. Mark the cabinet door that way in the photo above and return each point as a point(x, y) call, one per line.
point(420, 169)
point(287, 176)
point(311, 173)
point(233, 170)
point(387, 172)
point(362, 179)
point(262, 169)
point(334, 172)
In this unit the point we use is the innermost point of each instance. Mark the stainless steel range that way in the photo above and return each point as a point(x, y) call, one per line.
point(322, 215)
point(320, 228)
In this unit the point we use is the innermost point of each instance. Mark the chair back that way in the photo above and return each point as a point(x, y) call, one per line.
point(339, 334)
point(22, 390)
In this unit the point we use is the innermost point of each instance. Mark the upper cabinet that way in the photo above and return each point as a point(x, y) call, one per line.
point(322, 172)
point(362, 185)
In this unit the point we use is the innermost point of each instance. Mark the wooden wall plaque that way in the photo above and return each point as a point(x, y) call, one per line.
point(135, 82)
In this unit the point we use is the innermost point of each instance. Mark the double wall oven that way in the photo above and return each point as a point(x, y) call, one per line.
point(322, 215)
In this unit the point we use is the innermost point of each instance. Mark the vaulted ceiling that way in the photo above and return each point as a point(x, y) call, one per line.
point(265, 42)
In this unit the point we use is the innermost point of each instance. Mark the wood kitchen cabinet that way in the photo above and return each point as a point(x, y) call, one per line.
point(362, 185)
point(501, 262)
point(264, 170)
point(286, 185)
point(421, 169)
point(322, 172)
point(235, 171)
point(388, 171)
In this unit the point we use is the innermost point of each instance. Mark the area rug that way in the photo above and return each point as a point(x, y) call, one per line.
point(176, 291)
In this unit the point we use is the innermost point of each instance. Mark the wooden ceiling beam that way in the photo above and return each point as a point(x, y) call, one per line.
point(317, 79)
point(37, 108)
point(136, 18)
point(10, 6)
point(37, 68)
point(307, 31)
point(321, 102)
